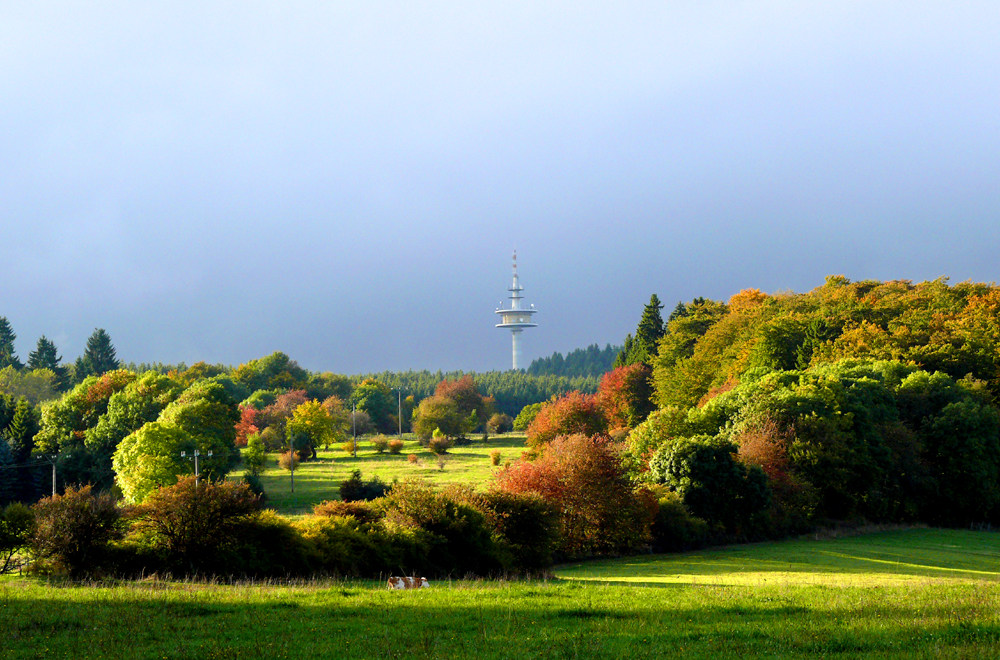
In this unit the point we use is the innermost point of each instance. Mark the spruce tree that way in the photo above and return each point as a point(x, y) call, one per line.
point(7, 337)
point(624, 355)
point(46, 356)
point(650, 330)
point(643, 347)
point(99, 356)
point(679, 312)
point(20, 433)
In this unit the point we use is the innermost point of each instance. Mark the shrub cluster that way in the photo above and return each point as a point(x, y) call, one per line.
point(219, 529)
point(354, 488)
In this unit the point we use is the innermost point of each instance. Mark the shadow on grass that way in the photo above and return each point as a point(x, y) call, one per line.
point(482, 622)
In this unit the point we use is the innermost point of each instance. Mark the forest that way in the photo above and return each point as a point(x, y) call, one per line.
point(747, 419)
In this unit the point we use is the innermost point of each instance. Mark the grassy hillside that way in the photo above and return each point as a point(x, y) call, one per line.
point(319, 480)
point(940, 598)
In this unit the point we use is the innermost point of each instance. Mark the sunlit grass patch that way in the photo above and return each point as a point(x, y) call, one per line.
point(320, 479)
point(882, 559)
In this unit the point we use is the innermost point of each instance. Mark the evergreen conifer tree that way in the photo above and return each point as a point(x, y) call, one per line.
point(624, 355)
point(99, 356)
point(20, 433)
point(46, 356)
point(7, 337)
point(679, 312)
point(650, 330)
point(643, 347)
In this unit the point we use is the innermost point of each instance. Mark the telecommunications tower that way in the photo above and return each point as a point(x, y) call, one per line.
point(517, 317)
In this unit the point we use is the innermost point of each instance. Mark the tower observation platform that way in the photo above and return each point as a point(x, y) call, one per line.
point(516, 317)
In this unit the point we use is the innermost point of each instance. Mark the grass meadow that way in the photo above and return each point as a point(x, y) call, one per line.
point(915, 593)
point(320, 479)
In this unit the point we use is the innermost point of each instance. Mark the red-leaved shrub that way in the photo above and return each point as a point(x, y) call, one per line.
point(585, 479)
point(573, 413)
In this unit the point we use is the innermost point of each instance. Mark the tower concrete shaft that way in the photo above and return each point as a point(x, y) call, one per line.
point(516, 317)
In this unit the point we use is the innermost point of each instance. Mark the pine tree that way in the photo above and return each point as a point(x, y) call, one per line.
point(46, 356)
point(7, 337)
point(99, 356)
point(20, 433)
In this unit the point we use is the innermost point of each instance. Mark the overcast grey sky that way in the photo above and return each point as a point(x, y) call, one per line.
point(345, 181)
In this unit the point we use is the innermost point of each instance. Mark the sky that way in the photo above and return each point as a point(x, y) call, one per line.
point(346, 181)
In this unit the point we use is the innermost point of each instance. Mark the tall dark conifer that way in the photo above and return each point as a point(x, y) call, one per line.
point(680, 311)
point(99, 356)
point(650, 329)
point(46, 356)
point(20, 433)
point(7, 337)
point(643, 347)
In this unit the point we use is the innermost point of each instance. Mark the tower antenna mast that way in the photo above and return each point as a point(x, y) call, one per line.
point(517, 317)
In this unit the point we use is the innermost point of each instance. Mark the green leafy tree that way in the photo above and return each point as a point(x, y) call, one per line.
point(340, 417)
point(98, 357)
point(255, 455)
point(527, 416)
point(471, 405)
point(207, 414)
point(712, 484)
point(139, 402)
point(35, 385)
point(312, 421)
point(437, 412)
point(16, 525)
point(45, 356)
point(7, 356)
point(963, 443)
point(150, 458)
point(374, 398)
point(277, 370)
point(65, 422)
point(7, 405)
point(324, 385)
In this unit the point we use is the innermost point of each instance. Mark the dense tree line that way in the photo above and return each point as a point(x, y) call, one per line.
point(770, 414)
point(746, 419)
point(590, 362)
point(510, 390)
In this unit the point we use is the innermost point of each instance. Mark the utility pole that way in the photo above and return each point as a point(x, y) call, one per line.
point(291, 461)
point(196, 454)
point(354, 421)
point(53, 457)
point(399, 401)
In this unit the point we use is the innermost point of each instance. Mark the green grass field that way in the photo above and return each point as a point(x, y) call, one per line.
point(895, 558)
point(319, 480)
point(904, 594)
